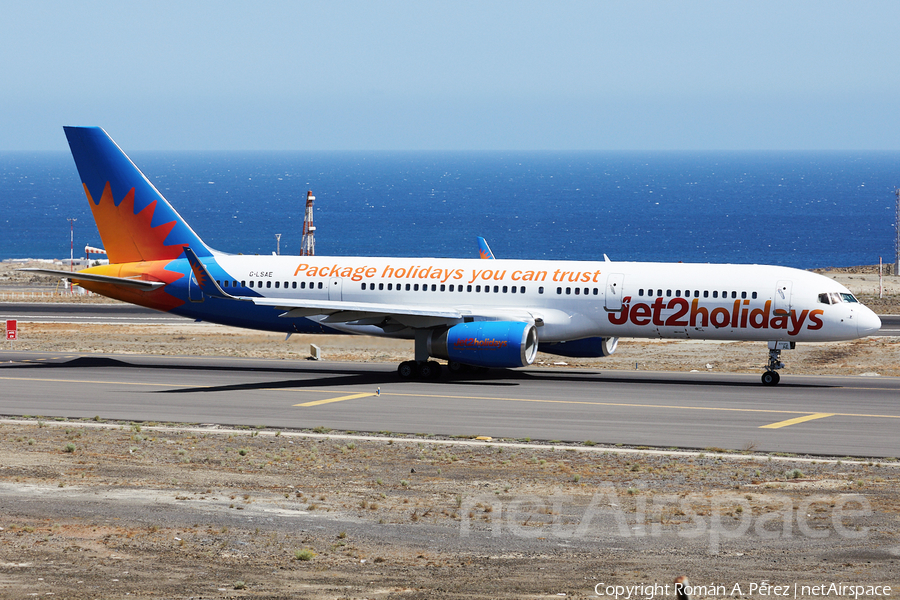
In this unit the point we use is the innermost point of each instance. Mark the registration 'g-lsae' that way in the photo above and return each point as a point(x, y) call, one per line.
point(468, 312)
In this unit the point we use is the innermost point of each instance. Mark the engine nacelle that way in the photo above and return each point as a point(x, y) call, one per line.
point(592, 347)
point(486, 343)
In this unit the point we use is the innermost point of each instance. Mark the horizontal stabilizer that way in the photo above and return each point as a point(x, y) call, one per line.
point(76, 277)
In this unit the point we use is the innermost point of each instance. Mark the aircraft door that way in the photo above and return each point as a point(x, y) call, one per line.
point(335, 289)
point(782, 302)
point(613, 295)
point(195, 294)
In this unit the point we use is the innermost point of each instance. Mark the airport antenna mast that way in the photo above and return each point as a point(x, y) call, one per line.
point(308, 245)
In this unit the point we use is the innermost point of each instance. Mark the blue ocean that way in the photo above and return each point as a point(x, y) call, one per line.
point(803, 210)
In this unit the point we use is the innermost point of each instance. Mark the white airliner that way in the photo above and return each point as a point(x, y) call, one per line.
point(469, 312)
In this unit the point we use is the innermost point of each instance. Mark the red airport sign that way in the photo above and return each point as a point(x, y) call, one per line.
point(11, 330)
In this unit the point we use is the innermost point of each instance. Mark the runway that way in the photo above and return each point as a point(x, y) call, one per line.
point(834, 416)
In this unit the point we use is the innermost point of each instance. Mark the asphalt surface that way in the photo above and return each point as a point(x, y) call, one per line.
point(833, 416)
point(60, 312)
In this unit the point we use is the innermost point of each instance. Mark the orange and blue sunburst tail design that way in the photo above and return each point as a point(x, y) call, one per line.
point(135, 221)
point(141, 232)
point(484, 251)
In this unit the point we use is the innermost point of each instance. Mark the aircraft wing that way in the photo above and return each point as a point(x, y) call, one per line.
point(76, 277)
point(343, 312)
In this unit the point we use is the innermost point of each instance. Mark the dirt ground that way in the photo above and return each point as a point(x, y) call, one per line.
point(90, 509)
point(100, 510)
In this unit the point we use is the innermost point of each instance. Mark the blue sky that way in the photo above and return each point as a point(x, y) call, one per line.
point(454, 75)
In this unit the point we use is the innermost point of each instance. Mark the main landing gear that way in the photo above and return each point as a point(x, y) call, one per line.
point(419, 369)
point(771, 376)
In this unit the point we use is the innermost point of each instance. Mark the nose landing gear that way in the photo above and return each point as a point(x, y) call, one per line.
point(771, 376)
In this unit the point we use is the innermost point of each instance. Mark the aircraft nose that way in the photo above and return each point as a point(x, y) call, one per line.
point(867, 323)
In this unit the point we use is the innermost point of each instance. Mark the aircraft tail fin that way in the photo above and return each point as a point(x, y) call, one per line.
point(484, 251)
point(135, 221)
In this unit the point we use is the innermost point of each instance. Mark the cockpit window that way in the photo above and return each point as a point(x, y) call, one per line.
point(836, 298)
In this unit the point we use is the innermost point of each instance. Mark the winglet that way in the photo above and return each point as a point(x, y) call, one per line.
point(205, 281)
point(484, 251)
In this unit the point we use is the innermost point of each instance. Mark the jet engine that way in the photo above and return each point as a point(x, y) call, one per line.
point(486, 343)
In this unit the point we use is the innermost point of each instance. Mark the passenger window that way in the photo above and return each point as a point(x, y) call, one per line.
point(505, 288)
point(513, 289)
point(541, 290)
point(451, 287)
point(415, 287)
point(277, 284)
point(251, 283)
point(364, 287)
point(433, 287)
point(268, 284)
point(677, 293)
point(243, 283)
point(715, 294)
point(641, 292)
point(568, 291)
point(577, 291)
point(659, 293)
point(753, 295)
point(734, 294)
point(468, 288)
point(380, 286)
point(293, 285)
point(743, 294)
point(706, 293)
point(559, 290)
point(390, 286)
point(443, 287)
point(668, 293)
point(407, 287)
point(477, 288)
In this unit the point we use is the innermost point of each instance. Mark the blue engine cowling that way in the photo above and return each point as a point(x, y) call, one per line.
point(486, 343)
point(592, 347)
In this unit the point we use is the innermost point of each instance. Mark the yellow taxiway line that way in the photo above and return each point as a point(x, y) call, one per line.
point(338, 399)
point(811, 417)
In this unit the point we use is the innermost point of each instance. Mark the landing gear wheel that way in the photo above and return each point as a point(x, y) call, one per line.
point(455, 367)
point(407, 369)
point(429, 370)
point(771, 378)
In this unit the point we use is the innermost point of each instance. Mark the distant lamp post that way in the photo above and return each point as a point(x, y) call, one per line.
point(71, 244)
point(278, 244)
